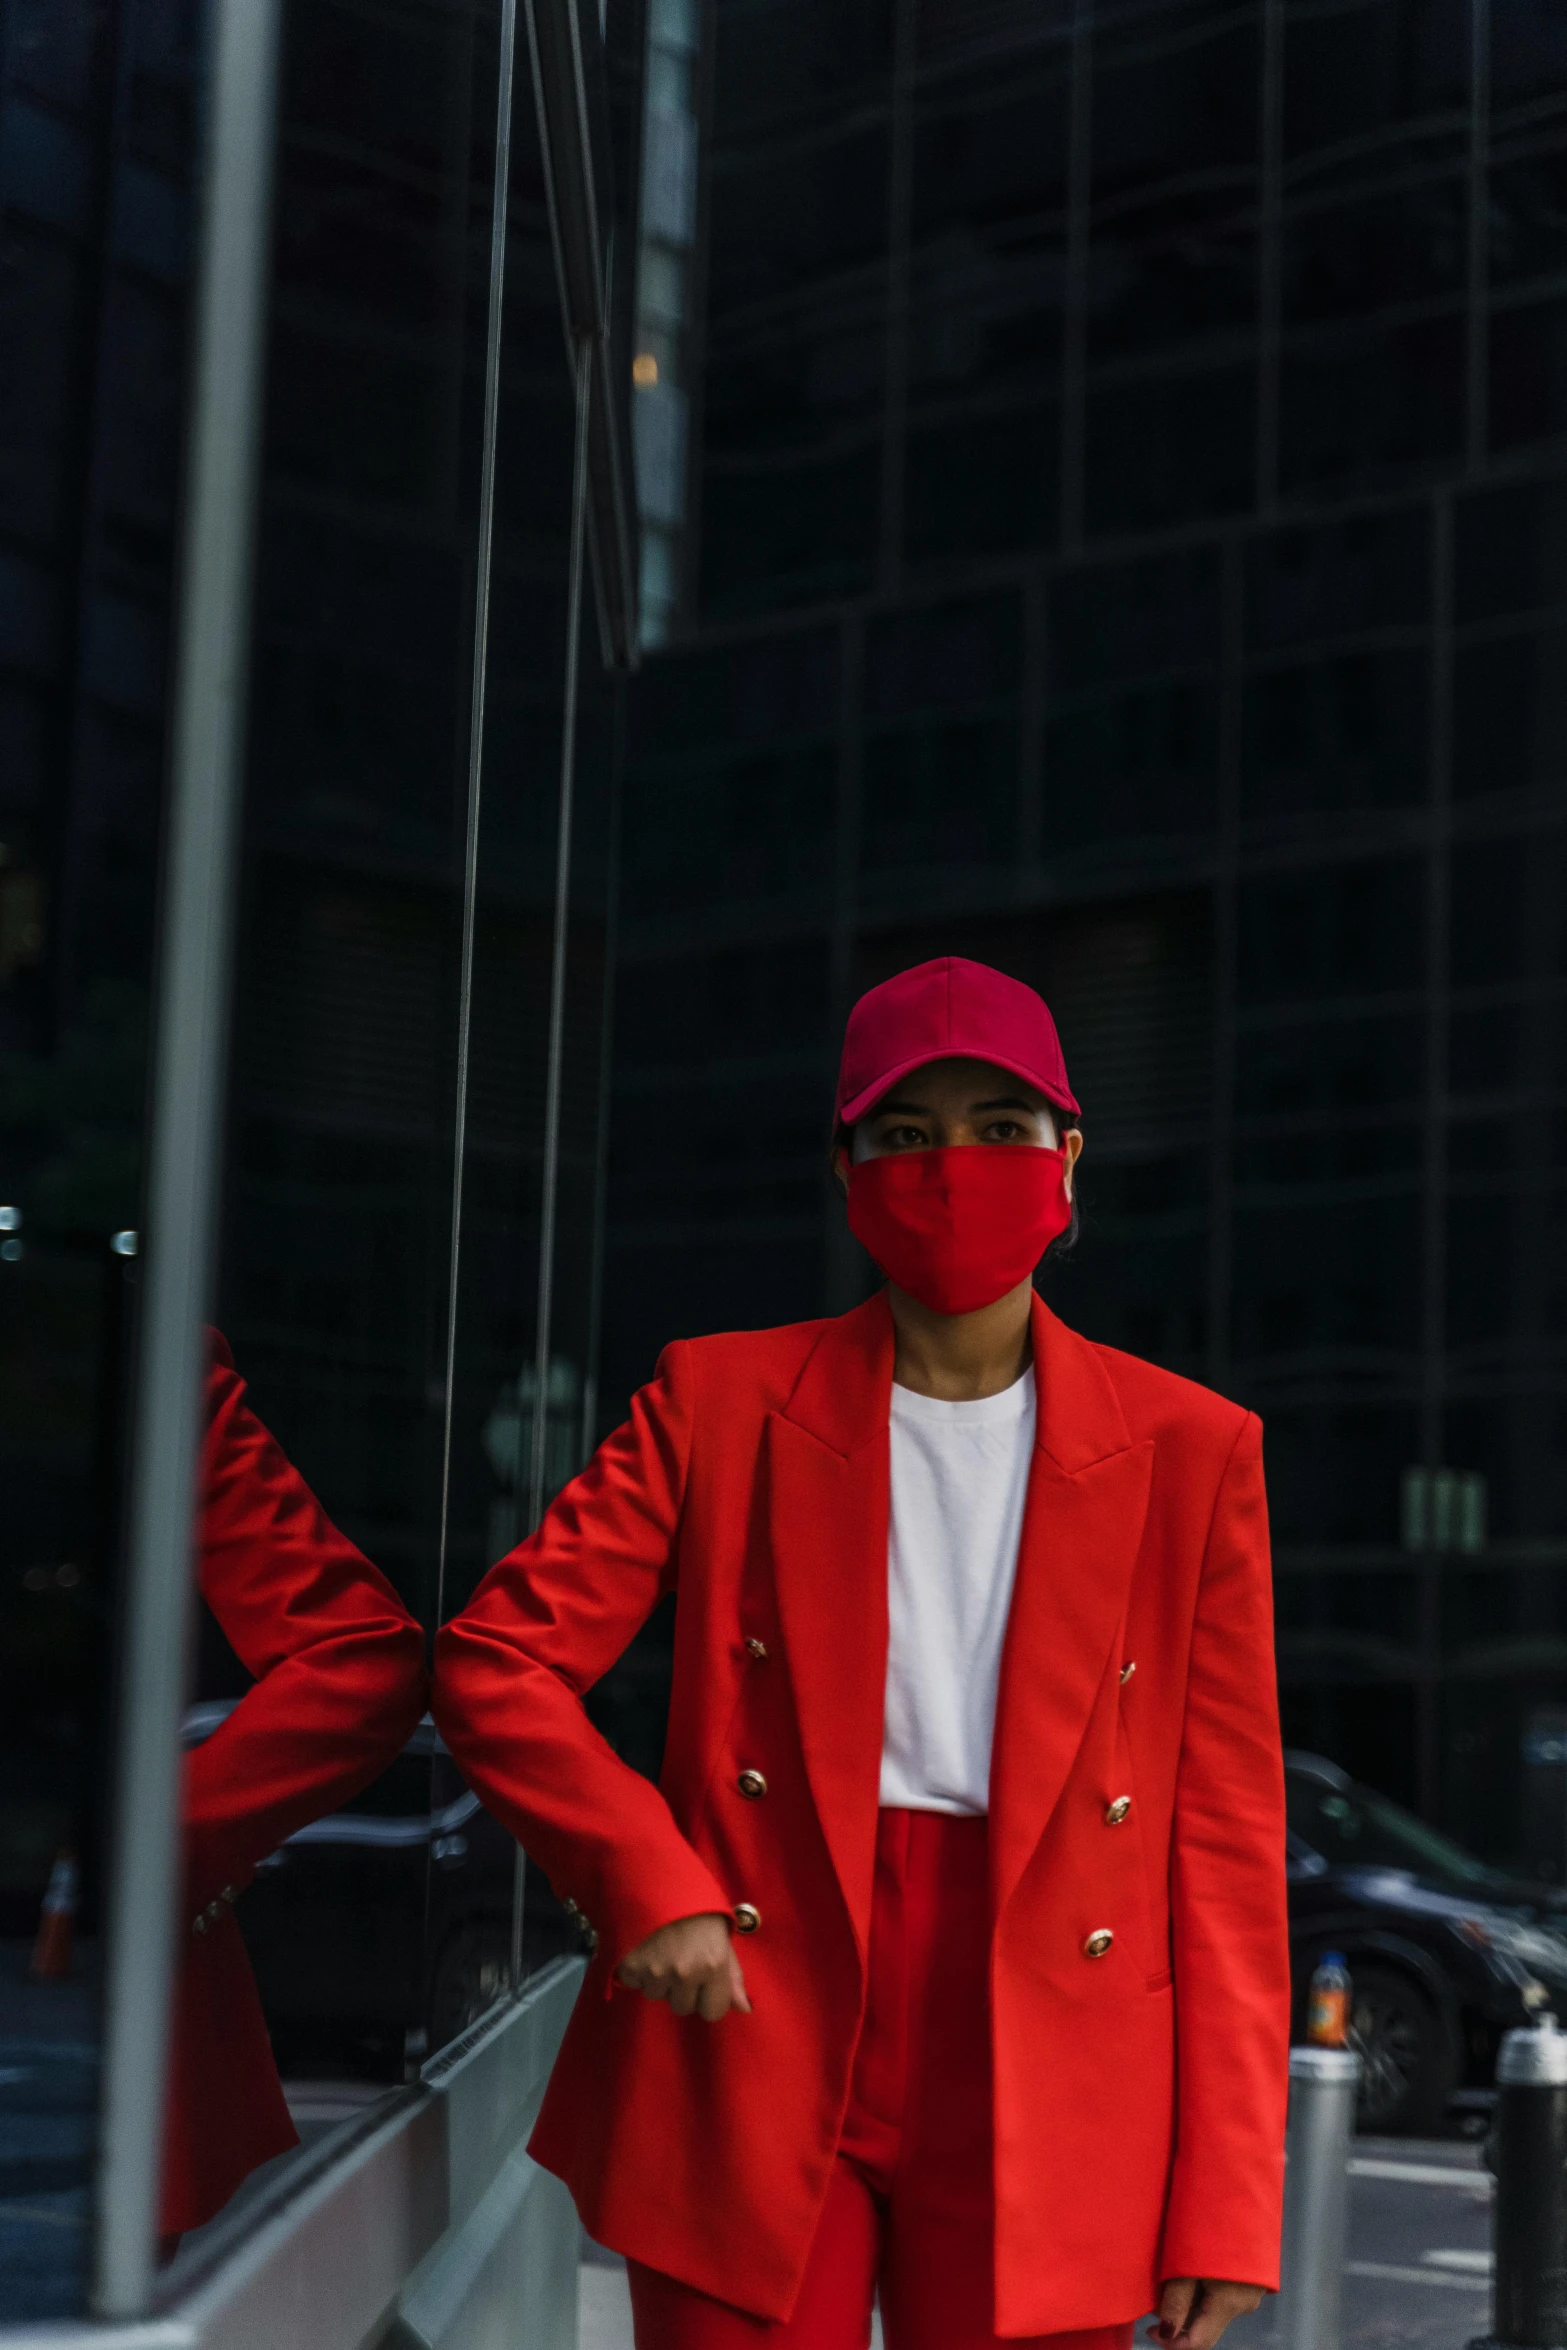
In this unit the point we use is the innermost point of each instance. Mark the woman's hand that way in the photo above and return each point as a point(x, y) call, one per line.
point(692, 1964)
point(1194, 2311)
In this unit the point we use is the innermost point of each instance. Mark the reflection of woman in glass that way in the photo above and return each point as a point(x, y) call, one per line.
point(339, 1685)
point(973, 1738)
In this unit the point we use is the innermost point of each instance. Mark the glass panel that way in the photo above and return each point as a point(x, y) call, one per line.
point(942, 741)
point(1320, 737)
point(1333, 1467)
point(1357, 406)
point(1354, 70)
point(317, 1837)
point(93, 328)
point(349, 1904)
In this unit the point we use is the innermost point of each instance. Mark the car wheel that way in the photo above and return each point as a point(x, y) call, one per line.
point(1407, 2067)
point(471, 1973)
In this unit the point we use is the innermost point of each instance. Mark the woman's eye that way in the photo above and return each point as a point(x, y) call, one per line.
point(1004, 1130)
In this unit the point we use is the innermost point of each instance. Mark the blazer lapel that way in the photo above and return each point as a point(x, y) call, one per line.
point(827, 1521)
point(1082, 1525)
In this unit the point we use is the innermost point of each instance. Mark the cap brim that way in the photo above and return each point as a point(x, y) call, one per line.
point(856, 1106)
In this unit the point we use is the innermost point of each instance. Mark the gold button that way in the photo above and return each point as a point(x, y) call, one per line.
point(756, 1648)
point(747, 1918)
point(1116, 1811)
point(752, 1785)
point(1127, 1670)
point(1098, 1942)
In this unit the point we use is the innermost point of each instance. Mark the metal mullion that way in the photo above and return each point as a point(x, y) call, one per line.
point(544, 1310)
point(1433, 1379)
point(1270, 258)
point(196, 918)
point(1074, 325)
point(841, 1259)
point(1479, 271)
point(1221, 1144)
point(484, 555)
point(554, 1076)
point(895, 389)
point(1032, 731)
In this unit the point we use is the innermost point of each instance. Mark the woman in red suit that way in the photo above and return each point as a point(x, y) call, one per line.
point(973, 1741)
point(339, 1685)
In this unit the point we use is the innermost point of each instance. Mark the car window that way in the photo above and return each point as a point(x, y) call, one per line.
point(1353, 1827)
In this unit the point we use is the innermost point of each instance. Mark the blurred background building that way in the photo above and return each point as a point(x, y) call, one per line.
point(1126, 540)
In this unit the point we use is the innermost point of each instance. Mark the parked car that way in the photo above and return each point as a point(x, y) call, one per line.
point(380, 1932)
point(1441, 1947)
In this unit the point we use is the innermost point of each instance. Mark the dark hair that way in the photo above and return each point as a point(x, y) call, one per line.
point(1063, 1244)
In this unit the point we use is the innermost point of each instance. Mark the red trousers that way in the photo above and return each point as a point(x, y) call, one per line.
point(909, 2208)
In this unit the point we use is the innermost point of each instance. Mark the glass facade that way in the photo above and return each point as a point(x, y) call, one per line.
point(1130, 499)
point(407, 1174)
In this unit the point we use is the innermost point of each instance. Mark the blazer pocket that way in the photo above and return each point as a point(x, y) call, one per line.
point(1161, 1981)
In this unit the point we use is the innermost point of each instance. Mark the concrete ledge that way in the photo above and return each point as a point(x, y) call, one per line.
point(422, 2225)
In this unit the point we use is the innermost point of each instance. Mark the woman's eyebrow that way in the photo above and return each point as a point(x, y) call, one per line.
point(1008, 1101)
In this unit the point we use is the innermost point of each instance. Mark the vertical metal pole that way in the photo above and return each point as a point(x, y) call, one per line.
point(1529, 2301)
point(193, 959)
point(481, 656)
point(1316, 2196)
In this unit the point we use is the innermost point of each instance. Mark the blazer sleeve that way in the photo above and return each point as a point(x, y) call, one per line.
point(512, 1669)
point(1229, 1923)
point(338, 1660)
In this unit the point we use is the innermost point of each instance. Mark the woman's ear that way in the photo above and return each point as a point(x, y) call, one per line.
point(1071, 1143)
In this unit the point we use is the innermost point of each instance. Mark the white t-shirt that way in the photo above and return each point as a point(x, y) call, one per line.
point(959, 1481)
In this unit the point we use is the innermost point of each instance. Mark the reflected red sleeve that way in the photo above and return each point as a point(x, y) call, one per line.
point(338, 1660)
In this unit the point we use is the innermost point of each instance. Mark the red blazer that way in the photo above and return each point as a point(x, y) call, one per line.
point(340, 1684)
point(1139, 2098)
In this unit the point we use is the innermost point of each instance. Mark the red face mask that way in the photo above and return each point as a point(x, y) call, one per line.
point(958, 1228)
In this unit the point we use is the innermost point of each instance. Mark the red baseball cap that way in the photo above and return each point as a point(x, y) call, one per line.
point(948, 1010)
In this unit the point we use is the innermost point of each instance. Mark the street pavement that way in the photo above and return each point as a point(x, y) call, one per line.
point(1417, 2275)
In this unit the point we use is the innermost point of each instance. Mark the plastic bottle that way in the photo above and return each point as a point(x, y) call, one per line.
point(1327, 2002)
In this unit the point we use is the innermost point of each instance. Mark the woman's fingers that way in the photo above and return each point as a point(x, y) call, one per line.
point(692, 1964)
point(713, 2001)
point(1175, 2302)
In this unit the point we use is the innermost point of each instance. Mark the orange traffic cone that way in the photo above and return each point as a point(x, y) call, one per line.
point(57, 1920)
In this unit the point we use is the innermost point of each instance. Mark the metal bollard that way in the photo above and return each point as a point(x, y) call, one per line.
point(1529, 2299)
point(1316, 2196)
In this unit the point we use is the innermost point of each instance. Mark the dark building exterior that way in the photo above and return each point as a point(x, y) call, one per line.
point(1127, 544)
